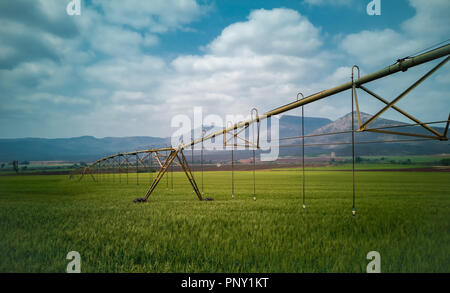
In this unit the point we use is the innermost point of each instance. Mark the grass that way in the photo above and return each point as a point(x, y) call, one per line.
point(414, 159)
point(404, 216)
point(346, 166)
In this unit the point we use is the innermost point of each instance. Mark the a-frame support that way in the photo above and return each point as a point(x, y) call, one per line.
point(178, 154)
point(187, 170)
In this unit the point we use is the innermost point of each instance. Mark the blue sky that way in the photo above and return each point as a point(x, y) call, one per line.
point(332, 18)
point(125, 68)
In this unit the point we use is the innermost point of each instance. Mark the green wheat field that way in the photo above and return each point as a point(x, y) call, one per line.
point(402, 215)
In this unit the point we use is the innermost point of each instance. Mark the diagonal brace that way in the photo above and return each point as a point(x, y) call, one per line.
point(404, 93)
point(401, 112)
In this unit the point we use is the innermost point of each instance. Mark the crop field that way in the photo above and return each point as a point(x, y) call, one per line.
point(402, 215)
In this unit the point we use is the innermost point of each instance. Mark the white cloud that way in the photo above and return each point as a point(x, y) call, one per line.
point(431, 20)
point(115, 89)
point(262, 62)
point(113, 40)
point(129, 96)
point(55, 99)
point(134, 73)
point(377, 48)
point(157, 16)
point(50, 60)
point(278, 31)
point(329, 2)
point(380, 47)
point(373, 49)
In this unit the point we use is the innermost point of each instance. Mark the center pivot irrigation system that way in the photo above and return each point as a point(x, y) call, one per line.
point(166, 156)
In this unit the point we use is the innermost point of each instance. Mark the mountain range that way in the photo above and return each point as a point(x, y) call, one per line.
point(370, 143)
point(88, 148)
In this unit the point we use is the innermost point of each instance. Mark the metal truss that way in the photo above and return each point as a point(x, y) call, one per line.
point(178, 154)
point(234, 132)
point(391, 105)
point(231, 134)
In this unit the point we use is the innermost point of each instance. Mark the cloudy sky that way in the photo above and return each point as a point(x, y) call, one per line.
point(125, 68)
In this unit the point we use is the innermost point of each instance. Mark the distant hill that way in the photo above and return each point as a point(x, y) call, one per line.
point(83, 148)
point(88, 148)
point(390, 148)
point(288, 126)
point(292, 125)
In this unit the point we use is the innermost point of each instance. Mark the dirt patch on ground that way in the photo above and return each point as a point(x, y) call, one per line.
point(249, 167)
point(260, 167)
point(39, 173)
point(427, 169)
